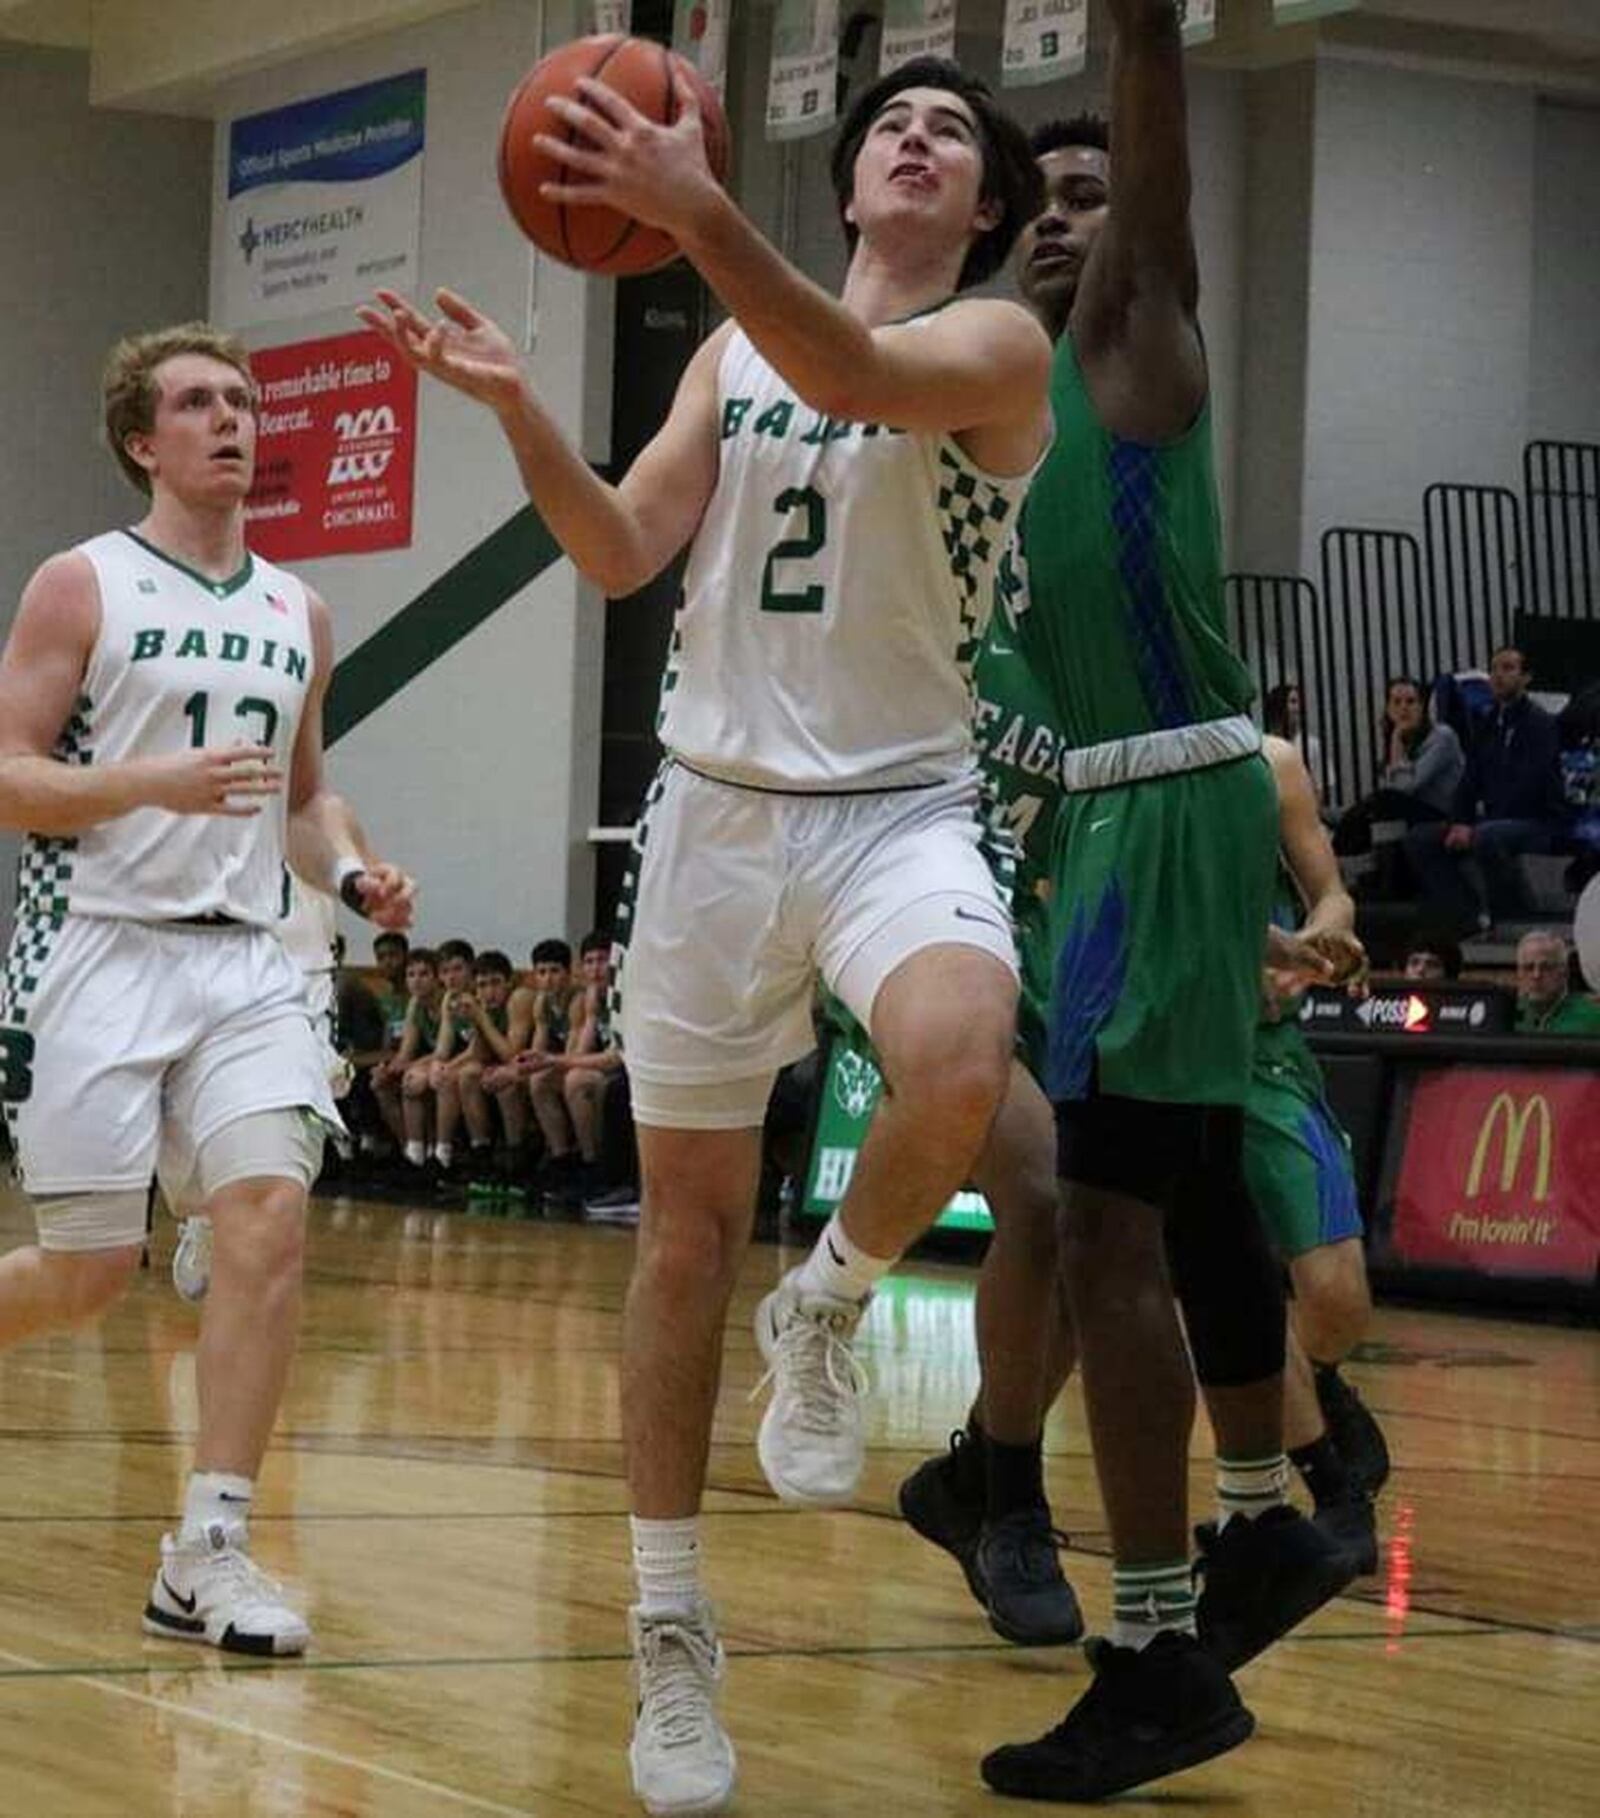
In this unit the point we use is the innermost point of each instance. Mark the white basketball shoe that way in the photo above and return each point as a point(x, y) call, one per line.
point(811, 1442)
point(211, 1590)
point(681, 1757)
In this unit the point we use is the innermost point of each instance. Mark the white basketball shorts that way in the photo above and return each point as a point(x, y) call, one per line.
point(142, 1036)
point(739, 899)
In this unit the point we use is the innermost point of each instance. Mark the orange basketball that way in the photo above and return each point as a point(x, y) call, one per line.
point(596, 239)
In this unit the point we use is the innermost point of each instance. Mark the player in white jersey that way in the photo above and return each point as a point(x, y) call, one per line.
point(848, 472)
point(161, 750)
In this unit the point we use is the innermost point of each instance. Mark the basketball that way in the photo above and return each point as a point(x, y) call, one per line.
point(601, 240)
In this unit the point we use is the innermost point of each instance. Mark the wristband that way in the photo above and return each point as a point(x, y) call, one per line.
point(350, 871)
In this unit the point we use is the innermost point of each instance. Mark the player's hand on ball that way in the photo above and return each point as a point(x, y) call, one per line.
point(231, 780)
point(1293, 962)
point(462, 347)
point(657, 174)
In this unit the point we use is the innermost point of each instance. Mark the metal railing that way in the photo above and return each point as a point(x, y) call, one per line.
point(1476, 569)
point(1275, 624)
point(1561, 494)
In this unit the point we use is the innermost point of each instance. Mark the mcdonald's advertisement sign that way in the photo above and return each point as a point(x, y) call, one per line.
point(1501, 1173)
point(336, 434)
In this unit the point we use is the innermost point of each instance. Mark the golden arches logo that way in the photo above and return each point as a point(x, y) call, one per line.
point(1517, 1119)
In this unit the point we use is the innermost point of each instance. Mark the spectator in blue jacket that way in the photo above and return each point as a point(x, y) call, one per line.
point(1508, 802)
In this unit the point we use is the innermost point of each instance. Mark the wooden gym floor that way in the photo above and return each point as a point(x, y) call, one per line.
point(445, 1495)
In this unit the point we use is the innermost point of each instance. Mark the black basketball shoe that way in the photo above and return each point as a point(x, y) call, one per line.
point(1351, 1524)
point(1356, 1435)
point(1261, 1575)
point(1148, 1713)
point(1024, 1589)
point(943, 1500)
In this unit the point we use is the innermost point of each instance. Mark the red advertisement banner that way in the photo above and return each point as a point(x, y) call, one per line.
point(336, 449)
point(1501, 1172)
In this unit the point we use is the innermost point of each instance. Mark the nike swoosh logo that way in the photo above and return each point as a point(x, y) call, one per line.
point(223, 1496)
point(833, 1252)
point(186, 1604)
point(1095, 826)
point(966, 915)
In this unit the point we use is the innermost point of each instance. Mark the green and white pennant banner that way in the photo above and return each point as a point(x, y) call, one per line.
point(700, 37)
point(1044, 40)
point(1291, 12)
point(1199, 20)
point(804, 77)
point(916, 28)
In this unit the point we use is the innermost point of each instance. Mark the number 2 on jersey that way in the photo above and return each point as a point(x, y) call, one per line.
point(198, 706)
point(796, 549)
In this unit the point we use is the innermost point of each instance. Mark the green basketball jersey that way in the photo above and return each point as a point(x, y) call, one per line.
point(1124, 627)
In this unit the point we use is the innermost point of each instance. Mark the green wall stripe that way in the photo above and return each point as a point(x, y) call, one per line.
point(437, 620)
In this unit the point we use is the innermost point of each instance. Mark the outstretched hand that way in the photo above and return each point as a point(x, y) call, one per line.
point(388, 896)
point(463, 347)
point(623, 160)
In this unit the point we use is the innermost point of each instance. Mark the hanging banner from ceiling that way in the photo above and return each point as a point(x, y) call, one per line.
point(1044, 40)
point(803, 81)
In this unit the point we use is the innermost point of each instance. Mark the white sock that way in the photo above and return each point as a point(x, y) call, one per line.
point(1250, 1486)
point(666, 1565)
point(1145, 1600)
point(443, 1153)
point(416, 1154)
point(212, 1497)
point(840, 1268)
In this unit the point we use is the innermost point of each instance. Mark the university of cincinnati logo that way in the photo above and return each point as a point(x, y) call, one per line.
point(366, 445)
point(855, 1083)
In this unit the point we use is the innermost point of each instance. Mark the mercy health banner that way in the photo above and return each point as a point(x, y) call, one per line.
point(324, 201)
point(1501, 1172)
point(336, 449)
point(1043, 41)
point(851, 1088)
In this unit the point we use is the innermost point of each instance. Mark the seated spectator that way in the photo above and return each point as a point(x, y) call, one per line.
point(502, 1014)
point(362, 1027)
point(1432, 959)
point(407, 1114)
point(1508, 802)
point(390, 952)
point(1421, 769)
point(438, 1077)
point(569, 1089)
point(1282, 714)
point(1547, 1002)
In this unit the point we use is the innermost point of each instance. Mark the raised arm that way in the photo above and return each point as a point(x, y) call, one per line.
point(42, 672)
point(619, 536)
point(1133, 321)
point(981, 364)
point(325, 843)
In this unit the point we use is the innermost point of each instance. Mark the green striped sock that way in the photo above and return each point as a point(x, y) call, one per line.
point(1250, 1486)
point(1146, 1599)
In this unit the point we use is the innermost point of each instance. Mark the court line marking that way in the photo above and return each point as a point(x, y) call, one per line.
point(891, 1650)
point(254, 1733)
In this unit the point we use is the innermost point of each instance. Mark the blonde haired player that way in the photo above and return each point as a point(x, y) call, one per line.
point(161, 749)
point(848, 472)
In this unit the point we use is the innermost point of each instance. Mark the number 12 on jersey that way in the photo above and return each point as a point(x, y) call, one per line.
point(197, 709)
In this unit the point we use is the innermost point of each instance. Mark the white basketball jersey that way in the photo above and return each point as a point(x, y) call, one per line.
point(835, 598)
point(180, 662)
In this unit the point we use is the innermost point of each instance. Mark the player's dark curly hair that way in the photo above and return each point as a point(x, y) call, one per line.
point(1092, 130)
point(1010, 172)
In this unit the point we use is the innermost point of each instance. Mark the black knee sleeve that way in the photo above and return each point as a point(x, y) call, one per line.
point(1224, 1271)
